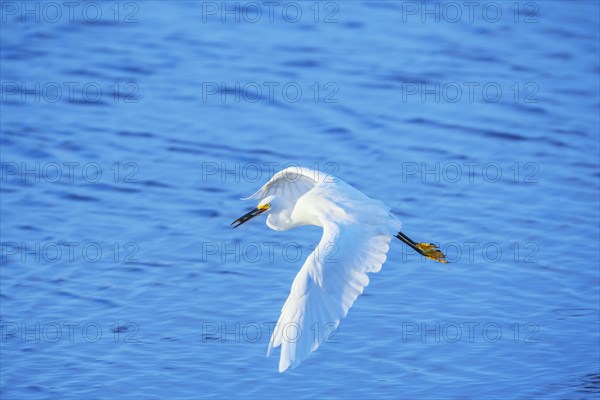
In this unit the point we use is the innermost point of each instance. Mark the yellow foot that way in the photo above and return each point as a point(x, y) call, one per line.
point(432, 252)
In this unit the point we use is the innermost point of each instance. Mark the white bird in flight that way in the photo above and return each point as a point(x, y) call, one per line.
point(357, 231)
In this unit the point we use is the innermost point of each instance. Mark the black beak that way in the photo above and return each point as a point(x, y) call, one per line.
point(248, 216)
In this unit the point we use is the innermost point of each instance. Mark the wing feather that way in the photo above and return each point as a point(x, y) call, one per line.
point(325, 288)
point(290, 183)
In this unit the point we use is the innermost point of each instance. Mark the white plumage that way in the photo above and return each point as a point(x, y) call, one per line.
point(356, 234)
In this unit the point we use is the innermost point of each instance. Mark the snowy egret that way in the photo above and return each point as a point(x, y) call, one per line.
point(357, 231)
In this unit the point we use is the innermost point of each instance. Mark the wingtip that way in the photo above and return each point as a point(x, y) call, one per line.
point(283, 365)
point(254, 196)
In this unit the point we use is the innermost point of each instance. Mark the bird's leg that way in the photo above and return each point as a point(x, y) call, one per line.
point(428, 250)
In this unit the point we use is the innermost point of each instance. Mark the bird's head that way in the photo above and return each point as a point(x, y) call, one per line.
point(266, 205)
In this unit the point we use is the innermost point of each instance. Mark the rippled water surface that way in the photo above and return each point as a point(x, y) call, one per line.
point(121, 277)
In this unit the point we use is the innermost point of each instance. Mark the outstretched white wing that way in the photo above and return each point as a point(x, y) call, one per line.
point(290, 184)
point(330, 280)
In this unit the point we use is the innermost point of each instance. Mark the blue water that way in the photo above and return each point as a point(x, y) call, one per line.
point(121, 277)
